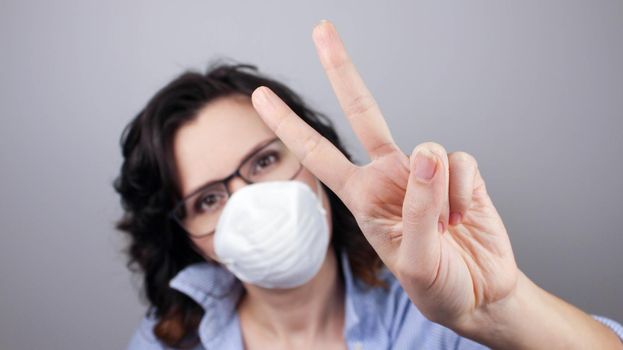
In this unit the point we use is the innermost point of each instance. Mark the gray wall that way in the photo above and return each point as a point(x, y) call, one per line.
point(533, 89)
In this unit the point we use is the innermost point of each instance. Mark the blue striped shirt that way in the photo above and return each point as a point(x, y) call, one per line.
point(375, 318)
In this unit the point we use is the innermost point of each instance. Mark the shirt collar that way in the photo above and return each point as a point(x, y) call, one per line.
point(217, 290)
point(363, 308)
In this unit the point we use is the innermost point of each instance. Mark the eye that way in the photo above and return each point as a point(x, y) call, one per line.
point(208, 202)
point(264, 162)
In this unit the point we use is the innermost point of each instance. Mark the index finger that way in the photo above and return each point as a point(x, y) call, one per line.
point(314, 151)
point(356, 101)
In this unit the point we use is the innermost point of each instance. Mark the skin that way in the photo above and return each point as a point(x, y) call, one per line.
point(306, 317)
point(430, 219)
point(427, 215)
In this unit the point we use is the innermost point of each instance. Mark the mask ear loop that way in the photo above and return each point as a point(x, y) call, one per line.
point(319, 196)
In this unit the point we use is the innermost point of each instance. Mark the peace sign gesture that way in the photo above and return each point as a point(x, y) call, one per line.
point(402, 204)
point(431, 221)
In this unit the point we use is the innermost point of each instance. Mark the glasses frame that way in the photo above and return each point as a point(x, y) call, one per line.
point(225, 181)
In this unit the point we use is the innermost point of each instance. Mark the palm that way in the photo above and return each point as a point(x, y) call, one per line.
point(475, 260)
point(449, 274)
point(378, 194)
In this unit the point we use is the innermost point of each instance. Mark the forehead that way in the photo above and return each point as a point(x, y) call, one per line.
point(212, 145)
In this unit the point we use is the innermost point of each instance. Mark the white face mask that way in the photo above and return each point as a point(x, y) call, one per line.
point(273, 234)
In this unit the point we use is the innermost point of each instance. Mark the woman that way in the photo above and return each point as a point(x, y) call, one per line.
point(254, 230)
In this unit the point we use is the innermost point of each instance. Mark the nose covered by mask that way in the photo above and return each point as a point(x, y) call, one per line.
point(273, 234)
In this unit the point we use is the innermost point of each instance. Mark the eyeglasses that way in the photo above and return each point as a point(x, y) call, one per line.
point(198, 213)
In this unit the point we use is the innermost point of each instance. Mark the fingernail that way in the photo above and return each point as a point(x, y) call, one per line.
point(263, 96)
point(425, 164)
point(455, 218)
point(320, 33)
point(264, 103)
point(440, 227)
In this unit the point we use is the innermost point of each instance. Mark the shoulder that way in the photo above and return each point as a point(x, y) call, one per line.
point(407, 327)
point(144, 337)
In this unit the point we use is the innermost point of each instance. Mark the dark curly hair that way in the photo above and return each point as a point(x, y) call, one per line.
point(148, 187)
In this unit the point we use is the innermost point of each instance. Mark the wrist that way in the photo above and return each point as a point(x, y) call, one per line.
point(511, 322)
point(531, 318)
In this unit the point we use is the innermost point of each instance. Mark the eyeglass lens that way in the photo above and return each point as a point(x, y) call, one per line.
point(273, 162)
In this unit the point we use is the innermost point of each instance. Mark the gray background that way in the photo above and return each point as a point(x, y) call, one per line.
point(533, 89)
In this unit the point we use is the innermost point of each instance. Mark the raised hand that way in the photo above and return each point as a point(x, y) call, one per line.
point(451, 266)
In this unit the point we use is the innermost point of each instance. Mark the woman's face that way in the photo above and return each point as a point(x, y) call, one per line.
point(211, 147)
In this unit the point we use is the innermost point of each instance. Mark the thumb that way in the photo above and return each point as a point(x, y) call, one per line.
point(422, 210)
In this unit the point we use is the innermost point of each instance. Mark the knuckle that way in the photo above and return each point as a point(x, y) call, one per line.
point(433, 147)
point(459, 201)
point(310, 145)
point(418, 211)
point(460, 195)
point(335, 61)
point(278, 126)
point(283, 122)
point(463, 159)
point(359, 105)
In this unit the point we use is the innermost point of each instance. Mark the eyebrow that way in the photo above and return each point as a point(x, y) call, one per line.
point(246, 157)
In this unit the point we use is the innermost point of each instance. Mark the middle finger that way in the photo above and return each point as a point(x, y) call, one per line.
point(354, 97)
